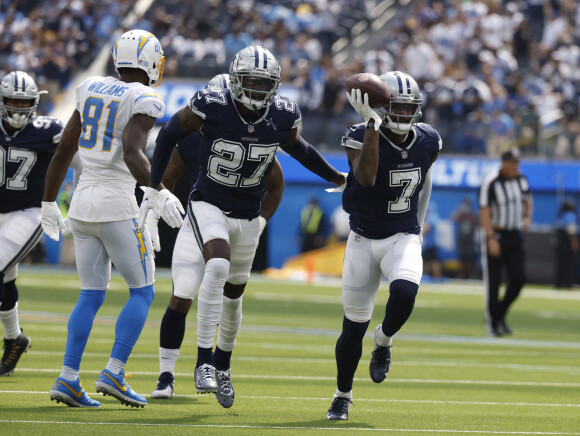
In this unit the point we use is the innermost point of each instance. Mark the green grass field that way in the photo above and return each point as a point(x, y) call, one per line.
point(447, 377)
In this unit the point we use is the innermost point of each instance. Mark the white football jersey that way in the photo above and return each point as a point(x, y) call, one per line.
point(106, 188)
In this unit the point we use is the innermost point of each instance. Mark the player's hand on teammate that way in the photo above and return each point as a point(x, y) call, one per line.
point(170, 208)
point(51, 219)
point(361, 105)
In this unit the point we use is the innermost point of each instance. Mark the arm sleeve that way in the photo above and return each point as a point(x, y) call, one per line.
point(424, 196)
point(311, 159)
point(168, 136)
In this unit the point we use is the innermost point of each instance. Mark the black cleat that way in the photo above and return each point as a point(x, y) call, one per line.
point(380, 362)
point(504, 328)
point(339, 409)
point(164, 389)
point(13, 349)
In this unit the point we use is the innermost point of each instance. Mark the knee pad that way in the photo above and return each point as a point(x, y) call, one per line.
point(216, 270)
point(239, 279)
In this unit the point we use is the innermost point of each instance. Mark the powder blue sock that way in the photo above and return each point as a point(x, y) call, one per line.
point(80, 324)
point(131, 321)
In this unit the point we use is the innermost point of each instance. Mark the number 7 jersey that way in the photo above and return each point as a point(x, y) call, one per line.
point(391, 205)
point(106, 187)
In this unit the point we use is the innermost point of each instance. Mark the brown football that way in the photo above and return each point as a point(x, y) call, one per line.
point(373, 85)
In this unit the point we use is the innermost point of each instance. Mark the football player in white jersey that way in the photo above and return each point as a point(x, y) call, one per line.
point(109, 129)
point(27, 143)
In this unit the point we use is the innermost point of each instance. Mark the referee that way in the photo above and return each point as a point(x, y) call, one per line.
point(505, 211)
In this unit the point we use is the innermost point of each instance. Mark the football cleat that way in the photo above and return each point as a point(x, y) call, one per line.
point(380, 361)
point(339, 409)
point(205, 379)
point(115, 386)
point(504, 328)
point(225, 389)
point(164, 389)
point(13, 349)
point(71, 393)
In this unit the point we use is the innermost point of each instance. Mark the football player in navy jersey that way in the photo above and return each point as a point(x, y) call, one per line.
point(188, 263)
point(388, 188)
point(27, 143)
point(241, 129)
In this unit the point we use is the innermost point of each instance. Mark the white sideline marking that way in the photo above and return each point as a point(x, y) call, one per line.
point(280, 427)
point(357, 379)
point(362, 400)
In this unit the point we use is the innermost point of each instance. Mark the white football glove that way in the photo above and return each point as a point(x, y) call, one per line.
point(263, 223)
point(170, 208)
point(362, 107)
point(151, 223)
point(51, 219)
point(150, 202)
point(339, 188)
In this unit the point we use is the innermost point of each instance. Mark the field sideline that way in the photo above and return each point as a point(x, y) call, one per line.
point(447, 377)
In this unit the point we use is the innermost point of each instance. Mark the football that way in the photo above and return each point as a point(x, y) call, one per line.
point(373, 85)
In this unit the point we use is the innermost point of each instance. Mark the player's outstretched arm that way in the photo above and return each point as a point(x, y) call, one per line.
point(297, 147)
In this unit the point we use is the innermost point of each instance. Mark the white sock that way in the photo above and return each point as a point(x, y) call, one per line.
point(115, 366)
point(230, 322)
point(343, 394)
point(210, 300)
point(69, 374)
point(167, 360)
point(9, 320)
point(382, 339)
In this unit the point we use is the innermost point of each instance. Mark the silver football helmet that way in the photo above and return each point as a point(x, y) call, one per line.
point(403, 110)
point(221, 81)
point(18, 85)
point(140, 49)
point(254, 77)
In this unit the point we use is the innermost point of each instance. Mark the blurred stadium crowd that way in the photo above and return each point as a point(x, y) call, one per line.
point(493, 74)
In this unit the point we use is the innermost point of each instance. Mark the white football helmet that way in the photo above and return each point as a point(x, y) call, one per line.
point(140, 49)
point(403, 110)
point(18, 85)
point(221, 81)
point(254, 77)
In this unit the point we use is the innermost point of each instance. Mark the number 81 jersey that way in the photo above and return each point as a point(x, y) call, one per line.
point(24, 159)
point(391, 205)
point(106, 105)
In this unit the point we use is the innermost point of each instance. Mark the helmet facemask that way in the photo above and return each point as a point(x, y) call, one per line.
point(254, 77)
point(403, 110)
point(19, 97)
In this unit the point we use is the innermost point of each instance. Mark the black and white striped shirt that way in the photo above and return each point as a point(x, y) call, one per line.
point(506, 199)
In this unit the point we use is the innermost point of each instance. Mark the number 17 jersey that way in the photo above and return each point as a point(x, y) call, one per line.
point(105, 191)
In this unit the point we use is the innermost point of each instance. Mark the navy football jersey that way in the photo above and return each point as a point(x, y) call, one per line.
point(236, 155)
point(391, 205)
point(24, 159)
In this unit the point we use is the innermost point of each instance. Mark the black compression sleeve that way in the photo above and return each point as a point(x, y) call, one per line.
point(311, 159)
point(168, 136)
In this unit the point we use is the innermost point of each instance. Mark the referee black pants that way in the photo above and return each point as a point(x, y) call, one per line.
point(511, 261)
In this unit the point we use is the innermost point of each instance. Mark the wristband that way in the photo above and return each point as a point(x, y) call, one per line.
point(371, 124)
